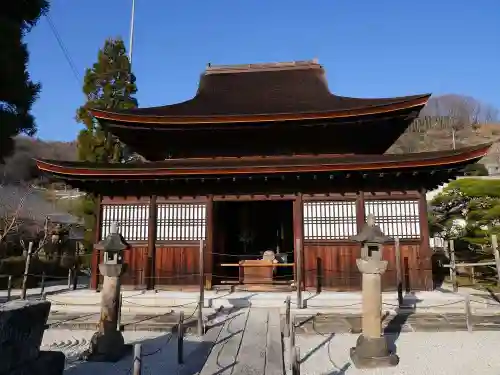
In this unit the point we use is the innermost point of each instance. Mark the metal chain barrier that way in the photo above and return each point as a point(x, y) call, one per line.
point(329, 346)
point(426, 307)
point(156, 351)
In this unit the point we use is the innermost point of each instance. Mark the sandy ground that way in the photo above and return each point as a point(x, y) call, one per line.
point(436, 353)
point(440, 353)
point(159, 352)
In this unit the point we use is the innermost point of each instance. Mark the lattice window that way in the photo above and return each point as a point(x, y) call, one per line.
point(396, 218)
point(181, 222)
point(329, 220)
point(132, 220)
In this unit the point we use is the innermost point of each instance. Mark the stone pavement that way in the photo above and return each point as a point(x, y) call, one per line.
point(151, 302)
point(165, 322)
point(35, 293)
point(306, 323)
point(345, 323)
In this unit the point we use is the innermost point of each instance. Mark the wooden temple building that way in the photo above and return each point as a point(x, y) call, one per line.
point(263, 158)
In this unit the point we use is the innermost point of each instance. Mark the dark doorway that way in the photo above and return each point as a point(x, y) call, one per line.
point(244, 230)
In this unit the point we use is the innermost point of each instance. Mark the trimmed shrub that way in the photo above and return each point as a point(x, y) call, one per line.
point(15, 266)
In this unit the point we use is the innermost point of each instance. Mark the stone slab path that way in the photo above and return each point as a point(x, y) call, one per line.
point(130, 322)
point(36, 293)
point(249, 344)
point(338, 323)
point(306, 323)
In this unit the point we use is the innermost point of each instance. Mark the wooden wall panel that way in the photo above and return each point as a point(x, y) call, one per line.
point(389, 278)
point(177, 265)
point(338, 265)
point(415, 275)
point(340, 272)
point(136, 258)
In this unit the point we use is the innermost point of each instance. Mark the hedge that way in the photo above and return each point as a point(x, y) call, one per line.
point(15, 266)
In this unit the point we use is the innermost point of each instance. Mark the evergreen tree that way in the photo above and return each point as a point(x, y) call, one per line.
point(17, 91)
point(475, 202)
point(108, 85)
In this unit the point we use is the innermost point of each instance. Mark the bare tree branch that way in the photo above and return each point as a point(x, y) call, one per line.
point(446, 122)
point(11, 206)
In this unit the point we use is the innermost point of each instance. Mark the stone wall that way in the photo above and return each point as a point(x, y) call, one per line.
point(22, 324)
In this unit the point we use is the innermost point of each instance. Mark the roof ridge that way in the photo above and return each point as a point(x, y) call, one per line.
point(259, 67)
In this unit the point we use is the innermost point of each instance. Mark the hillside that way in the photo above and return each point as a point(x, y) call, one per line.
point(449, 121)
point(453, 121)
point(20, 167)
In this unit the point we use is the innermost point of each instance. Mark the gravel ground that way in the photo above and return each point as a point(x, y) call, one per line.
point(160, 353)
point(437, 353)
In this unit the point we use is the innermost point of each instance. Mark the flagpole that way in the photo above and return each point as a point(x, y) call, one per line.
point(131, 38)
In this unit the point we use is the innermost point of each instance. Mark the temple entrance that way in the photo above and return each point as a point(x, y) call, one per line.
point(249, 231)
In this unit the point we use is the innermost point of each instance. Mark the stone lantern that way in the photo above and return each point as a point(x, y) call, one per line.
point(371, 347)
point(107, 343)
point(112, 247)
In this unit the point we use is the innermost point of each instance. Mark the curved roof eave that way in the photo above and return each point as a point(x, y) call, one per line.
point(136, 117)
point(250, 165)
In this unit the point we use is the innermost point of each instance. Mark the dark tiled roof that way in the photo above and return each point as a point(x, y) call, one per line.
point(260, 89)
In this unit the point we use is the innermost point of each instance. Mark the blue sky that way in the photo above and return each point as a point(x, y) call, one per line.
point(369, 48)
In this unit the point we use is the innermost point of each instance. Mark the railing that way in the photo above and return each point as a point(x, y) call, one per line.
point(453, 266)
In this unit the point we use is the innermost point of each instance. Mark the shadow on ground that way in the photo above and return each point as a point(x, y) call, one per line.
point(393, 329)
point(159, 356)
point(326, 342)
point(342, 370)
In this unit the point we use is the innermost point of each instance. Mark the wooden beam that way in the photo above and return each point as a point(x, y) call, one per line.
point(149, 269)
point(298, 230)
point(94, 282)
point(360, 210)
point(425, 253)
point(209, 243)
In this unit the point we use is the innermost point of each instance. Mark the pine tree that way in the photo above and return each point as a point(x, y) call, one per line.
point(474, 201)
point(17, 91)
point(108, 85)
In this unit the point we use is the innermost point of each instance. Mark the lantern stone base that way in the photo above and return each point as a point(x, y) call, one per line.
point(372, 353)
point(107, 347)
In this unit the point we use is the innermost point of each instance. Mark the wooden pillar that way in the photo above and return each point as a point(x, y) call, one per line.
point(425, 254)
point(149, 267)
point(298, 233)
point(94, 280)
point(360, 210)
point(354, 277)
point(209, 243)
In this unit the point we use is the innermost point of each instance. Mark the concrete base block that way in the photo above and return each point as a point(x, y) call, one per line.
point(372, 353)
point(109, 347)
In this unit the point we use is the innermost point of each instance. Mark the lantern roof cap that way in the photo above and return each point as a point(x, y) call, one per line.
point(371, 233)
point(113, 242)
